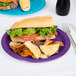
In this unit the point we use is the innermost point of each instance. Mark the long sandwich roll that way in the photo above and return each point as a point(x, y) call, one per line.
point(8, 4)
point(36, 28)
point(25, 5)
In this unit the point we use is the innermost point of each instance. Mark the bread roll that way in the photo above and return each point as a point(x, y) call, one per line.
point(25, 5)
point(8, 0)
point(35, 22)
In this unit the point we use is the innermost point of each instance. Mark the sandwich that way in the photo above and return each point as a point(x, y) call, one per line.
point(8, 4)
point(25, 5)
point(31, 37)
point(36, 28)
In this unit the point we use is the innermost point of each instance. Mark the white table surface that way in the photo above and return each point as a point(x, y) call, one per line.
point(64, 66)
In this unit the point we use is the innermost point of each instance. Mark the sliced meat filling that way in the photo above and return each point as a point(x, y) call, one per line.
point(13, 5)
point(38, 43)
point(18, 39)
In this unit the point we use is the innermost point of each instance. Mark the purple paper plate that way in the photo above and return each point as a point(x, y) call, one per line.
point(62, 50)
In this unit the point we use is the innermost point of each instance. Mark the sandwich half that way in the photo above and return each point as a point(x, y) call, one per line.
point(27, 37)
point(8, 4)
point(36, 28)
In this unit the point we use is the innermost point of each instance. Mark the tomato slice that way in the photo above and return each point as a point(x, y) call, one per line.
point(31, 37)
point(55, 34)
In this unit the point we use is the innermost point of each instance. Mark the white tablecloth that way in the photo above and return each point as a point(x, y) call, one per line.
point(64, 66)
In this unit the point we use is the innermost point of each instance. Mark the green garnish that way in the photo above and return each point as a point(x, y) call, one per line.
point(4, 4)
point(54, 29)
point(7, 3)
point(4, 8)
point(31, 31)
point(15, 32)
point(44, 31)
point(0, 3)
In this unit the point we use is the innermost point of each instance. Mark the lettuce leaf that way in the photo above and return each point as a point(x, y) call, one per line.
point(31, 31)
point(18, 32)
point(53, 29)
point(15, 32)
point(44, 31)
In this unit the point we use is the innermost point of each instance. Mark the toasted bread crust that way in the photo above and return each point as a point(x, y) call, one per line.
point(8, 0)
point(35, 22)
point(25, 5)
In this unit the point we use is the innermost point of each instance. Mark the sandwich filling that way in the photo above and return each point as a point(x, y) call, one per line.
point(30, 34)
point(8, 5)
